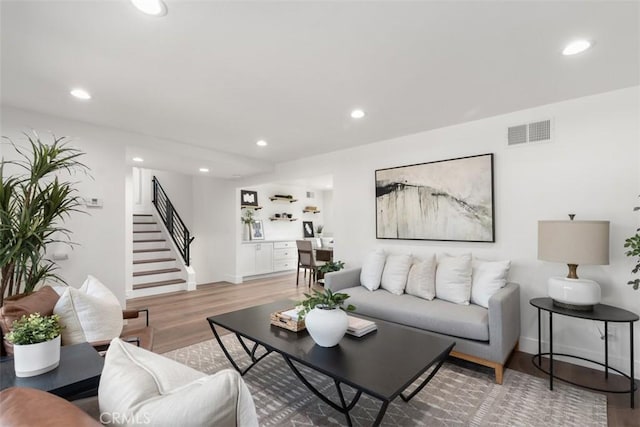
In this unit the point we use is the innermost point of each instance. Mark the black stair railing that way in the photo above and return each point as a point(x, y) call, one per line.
point(176, 227)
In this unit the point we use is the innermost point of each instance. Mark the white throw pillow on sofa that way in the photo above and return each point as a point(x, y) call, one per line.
point(394, 275)
point(371, 273)
point(422, 279)
point(89, 314)
point(453, 278)
point(488, 277)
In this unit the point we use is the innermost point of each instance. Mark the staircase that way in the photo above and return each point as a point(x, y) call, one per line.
point(157, 268)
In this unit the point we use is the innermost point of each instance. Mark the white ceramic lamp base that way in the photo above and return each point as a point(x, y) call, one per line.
point(575, 294)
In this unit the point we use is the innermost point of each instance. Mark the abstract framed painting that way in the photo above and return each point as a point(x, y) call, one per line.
point(448, 200)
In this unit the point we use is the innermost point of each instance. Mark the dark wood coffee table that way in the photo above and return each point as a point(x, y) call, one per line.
point(382, 364)
point(77, 375)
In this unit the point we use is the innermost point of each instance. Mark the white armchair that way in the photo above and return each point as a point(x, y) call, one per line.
point(138, 386)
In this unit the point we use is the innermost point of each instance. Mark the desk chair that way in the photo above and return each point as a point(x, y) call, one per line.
point(307, 260)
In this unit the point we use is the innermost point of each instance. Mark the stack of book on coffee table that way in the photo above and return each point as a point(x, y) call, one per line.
point(359, 327)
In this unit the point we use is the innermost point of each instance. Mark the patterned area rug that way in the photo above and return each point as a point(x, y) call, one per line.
point(458, 395)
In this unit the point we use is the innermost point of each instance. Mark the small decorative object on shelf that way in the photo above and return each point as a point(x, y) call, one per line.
point(249, 199)
point(325, 317)
point(319, 229)
point(36, 344)
point(311, 209)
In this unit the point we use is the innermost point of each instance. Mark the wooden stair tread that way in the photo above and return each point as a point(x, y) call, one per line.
point(142, 215)
point(149, 240)
point(151, 272)
point(147, 231)
point(160, 283)
point(139, 251)
point(144, 222)
point(149, 261)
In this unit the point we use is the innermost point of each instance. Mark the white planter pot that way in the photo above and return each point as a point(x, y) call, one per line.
point(326, 327)
point(35, 359)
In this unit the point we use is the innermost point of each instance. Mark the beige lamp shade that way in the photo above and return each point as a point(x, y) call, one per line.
point(574, 242)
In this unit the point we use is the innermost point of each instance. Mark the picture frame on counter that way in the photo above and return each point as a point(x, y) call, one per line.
point(257, 230)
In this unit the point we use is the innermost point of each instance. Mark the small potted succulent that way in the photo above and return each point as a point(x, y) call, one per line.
point(36, 344)
point(325, 316)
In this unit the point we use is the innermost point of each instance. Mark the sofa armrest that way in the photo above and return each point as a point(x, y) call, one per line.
point(504, 320)
point(343, 279)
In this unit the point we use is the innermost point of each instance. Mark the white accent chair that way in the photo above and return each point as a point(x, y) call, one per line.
point(138, 386)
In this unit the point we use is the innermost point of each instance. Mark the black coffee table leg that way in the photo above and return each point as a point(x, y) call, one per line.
point(251, 352)
point(343, 407)
point(439, 360)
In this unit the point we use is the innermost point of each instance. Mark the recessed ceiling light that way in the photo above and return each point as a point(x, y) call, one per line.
point(576, 47)
point(80, 93)
point(151, 7)
point(138, 159)
point(261, 143)
point(357, 114)
point(204, 169)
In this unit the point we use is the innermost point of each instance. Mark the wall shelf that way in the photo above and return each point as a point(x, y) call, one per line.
point(315, 211)
point(255, 208)
point(283, 219)
point(282, 199)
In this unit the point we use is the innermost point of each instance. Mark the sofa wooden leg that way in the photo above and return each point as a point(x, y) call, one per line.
point(499, 369)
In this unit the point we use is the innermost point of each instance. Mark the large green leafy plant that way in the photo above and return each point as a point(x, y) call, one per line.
point(633, 250)
point(34, 202)
point(34, 329)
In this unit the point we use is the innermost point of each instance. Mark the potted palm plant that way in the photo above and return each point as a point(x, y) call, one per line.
point(324, 313)
point(34, 202)
point(36, 344)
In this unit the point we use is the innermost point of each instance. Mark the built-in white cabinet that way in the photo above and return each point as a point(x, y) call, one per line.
point(285, 256)
point(256, 258)
point(267, 257)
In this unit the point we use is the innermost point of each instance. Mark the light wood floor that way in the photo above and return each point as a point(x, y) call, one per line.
point(179, 320)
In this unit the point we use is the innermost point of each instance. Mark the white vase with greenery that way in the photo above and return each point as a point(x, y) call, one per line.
point(36, 344)
point(325, 317)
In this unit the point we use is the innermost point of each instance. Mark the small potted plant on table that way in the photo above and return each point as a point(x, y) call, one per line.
point(36, 344)
point(325, 316)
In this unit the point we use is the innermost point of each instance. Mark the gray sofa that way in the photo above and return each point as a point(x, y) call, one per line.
point(483, 336)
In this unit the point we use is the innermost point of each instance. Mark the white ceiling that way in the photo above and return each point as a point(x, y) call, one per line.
point(221, 75)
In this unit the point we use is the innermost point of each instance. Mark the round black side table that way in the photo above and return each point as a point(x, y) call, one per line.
point(601, 312)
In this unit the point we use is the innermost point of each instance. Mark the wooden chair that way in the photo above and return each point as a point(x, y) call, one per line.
point(307, 261)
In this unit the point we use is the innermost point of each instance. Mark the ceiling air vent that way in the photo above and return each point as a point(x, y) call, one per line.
point(531, 132)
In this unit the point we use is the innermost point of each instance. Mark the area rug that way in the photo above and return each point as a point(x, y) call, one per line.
point(459, 395)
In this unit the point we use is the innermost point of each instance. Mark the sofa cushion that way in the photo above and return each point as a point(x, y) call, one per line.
point(158, 391)
point(465, 321)
point(41, 301)
point(488, 277)
point(91, 313)
point(394, 275)
point(453, 278)
point(371, 273)
point(422, 279)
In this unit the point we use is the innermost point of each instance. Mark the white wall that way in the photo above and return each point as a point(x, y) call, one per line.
point(327, 201)
point(591, 169)
point(215, 210)
point(101, 235)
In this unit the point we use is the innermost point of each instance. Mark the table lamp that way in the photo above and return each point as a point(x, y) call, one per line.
point(573, 243)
